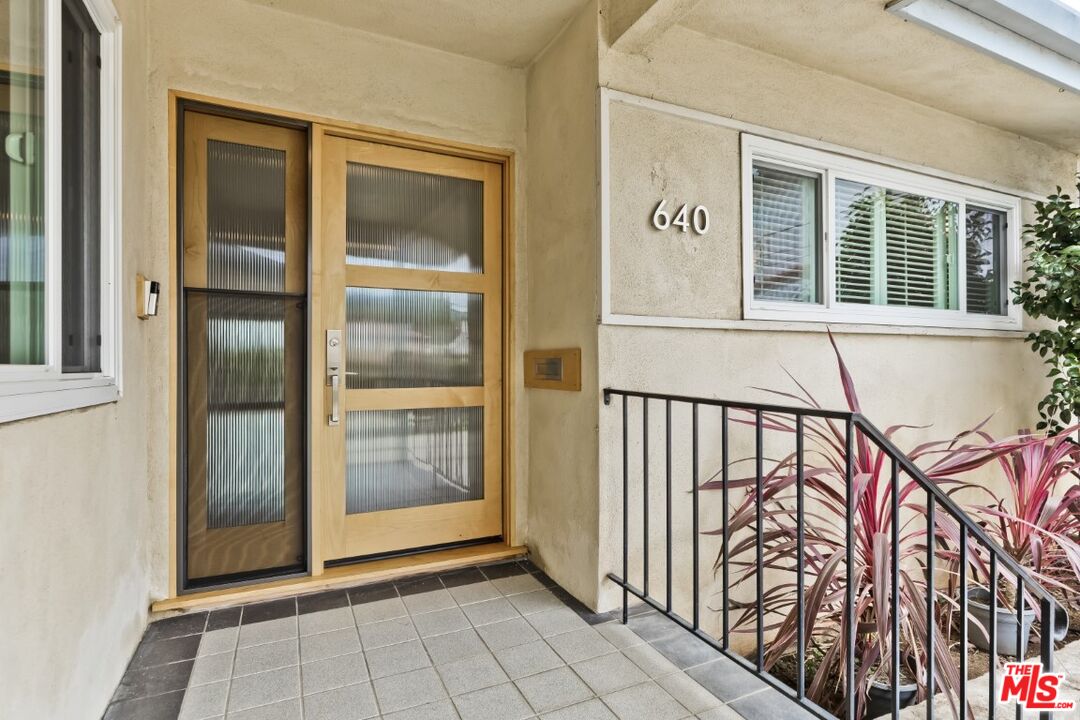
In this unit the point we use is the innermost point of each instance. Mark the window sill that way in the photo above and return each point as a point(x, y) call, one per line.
point(56, 396)
point(914, 319)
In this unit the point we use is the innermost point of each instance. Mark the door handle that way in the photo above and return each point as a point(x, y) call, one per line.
point(333, 374)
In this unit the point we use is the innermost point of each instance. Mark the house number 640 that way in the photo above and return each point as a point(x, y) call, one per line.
point(684, 218)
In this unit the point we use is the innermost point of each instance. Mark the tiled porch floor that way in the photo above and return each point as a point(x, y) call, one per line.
point(500, 642)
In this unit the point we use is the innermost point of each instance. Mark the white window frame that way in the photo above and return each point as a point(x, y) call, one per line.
point(33, 390)
point(831, 166)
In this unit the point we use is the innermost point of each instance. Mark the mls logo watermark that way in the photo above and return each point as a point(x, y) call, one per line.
point(1033, 689)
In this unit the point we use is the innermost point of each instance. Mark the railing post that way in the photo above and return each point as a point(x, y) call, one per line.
point(625, 507)
point(849, 590)
point(800, 551)
point(645, 496)
point(760, 539)
point(1046, 641)
point(931, 597)
point(667, 495)
point(1021, 647)
point(964, 618)
point(993, 587)
point(697, 534)
point(724, 522)
point(895, 581)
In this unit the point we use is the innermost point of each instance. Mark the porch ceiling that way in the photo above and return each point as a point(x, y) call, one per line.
point(859, 40)
point(507, 32)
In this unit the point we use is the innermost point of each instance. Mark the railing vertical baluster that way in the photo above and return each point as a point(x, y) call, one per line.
point(895, 599)
point(931, 597)
point(697, 579)
point(992, 706)
point(724, 521)
point(1046, 641)
point(1021, 647)
point(625, 507)
point(760, 539)
point(800, 551)
point(963, 617)
point(667, 494)
point(849, 590)
point(645, 491)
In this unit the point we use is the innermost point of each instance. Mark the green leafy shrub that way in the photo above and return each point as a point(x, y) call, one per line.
point(1051, 290)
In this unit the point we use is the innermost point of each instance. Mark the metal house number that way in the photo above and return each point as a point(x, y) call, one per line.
point(684, 218)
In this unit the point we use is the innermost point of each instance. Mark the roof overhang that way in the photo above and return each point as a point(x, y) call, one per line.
point(1039, 36)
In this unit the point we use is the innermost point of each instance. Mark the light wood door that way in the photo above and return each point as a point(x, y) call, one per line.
point(409, 273)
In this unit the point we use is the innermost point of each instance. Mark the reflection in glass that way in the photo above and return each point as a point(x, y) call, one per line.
point(410, 458)
point(245, 217)
point(22, 184)
point(986, 288)
point(403, 219)
point(786, 235)
point(413, 338)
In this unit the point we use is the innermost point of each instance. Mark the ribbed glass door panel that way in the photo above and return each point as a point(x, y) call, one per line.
point(411, 458)
point(245, 217)
point(404, 219)
point(413, 338)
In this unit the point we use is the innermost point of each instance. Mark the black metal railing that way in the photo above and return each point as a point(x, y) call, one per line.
point(955, 551)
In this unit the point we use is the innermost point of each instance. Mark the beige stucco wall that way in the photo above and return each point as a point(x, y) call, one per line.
point(79, 518)
point(562, 304)
point(949, 380)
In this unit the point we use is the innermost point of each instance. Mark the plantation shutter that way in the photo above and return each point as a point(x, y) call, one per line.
point(895, 248)
point(786, 235)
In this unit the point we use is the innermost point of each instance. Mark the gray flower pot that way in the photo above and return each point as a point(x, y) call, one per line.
point(979, 623)
point(879, 698)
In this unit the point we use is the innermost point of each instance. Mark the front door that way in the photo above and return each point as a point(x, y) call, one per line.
point(407, 286)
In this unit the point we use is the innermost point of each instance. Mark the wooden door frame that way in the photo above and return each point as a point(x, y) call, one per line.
point(178, 101)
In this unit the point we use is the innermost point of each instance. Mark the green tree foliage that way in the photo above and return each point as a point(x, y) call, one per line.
point(1051, 290)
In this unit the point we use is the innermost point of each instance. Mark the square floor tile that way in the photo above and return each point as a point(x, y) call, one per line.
point(517, 584)
point(502, 570)
point(264, 688)
point(722, 712)
point(618, 634)
point(652, 626)
point(205, 701)
point(387, 632)
point(321, 621)
point(535, 601)
point(153, 680)
point(528, 659)
point(211, 668)
point(271, 656)
point(647, 701)
point(410, 689)
point(441, 710)
point(269, 631)
point(418, 584)
point(590, 710)
point(322, 601)
point(396, 659)
point(685, 650)
point(330, 644)
point(351, 702)
point(726, 680)
point(160, 652)
point(224, 618)
point(690, 695)
point(608, 673)
point(553, 689)
point(287, 710)
point(650, 660)
point(428, 601)
point(474, 673)
point(454, 646)
point(156, 707)
point(501, 702)
point(768, 705)
point(440, 622)
point(333, 672)
point(490, 611)
point(176, 626)
point(271, 610)
point(556, 621)
point(508, 633)
point(219, 641)
point(460, 578)
point(372, 592)
point(474, 593)
point(580, 644)
point(379, 610)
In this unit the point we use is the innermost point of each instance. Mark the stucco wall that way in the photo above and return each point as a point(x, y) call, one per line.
point(562, 304)
point(78, 511)
point(949, 380)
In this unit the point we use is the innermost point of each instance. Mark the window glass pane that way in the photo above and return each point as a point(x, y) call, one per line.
point(787, 240)
point(22, 184)
point(410, 458)
point(986, 286)
point(403, 219)
point(895, 248)
point(81, 190)
point(413, 338)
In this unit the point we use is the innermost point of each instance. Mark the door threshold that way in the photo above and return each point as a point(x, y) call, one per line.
point(343, 576)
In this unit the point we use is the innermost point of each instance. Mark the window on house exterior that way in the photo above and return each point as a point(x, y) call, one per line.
point(894, 247)
point(59, 346)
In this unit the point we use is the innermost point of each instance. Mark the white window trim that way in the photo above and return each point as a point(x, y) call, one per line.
point(33, 390)
point(829, 166)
